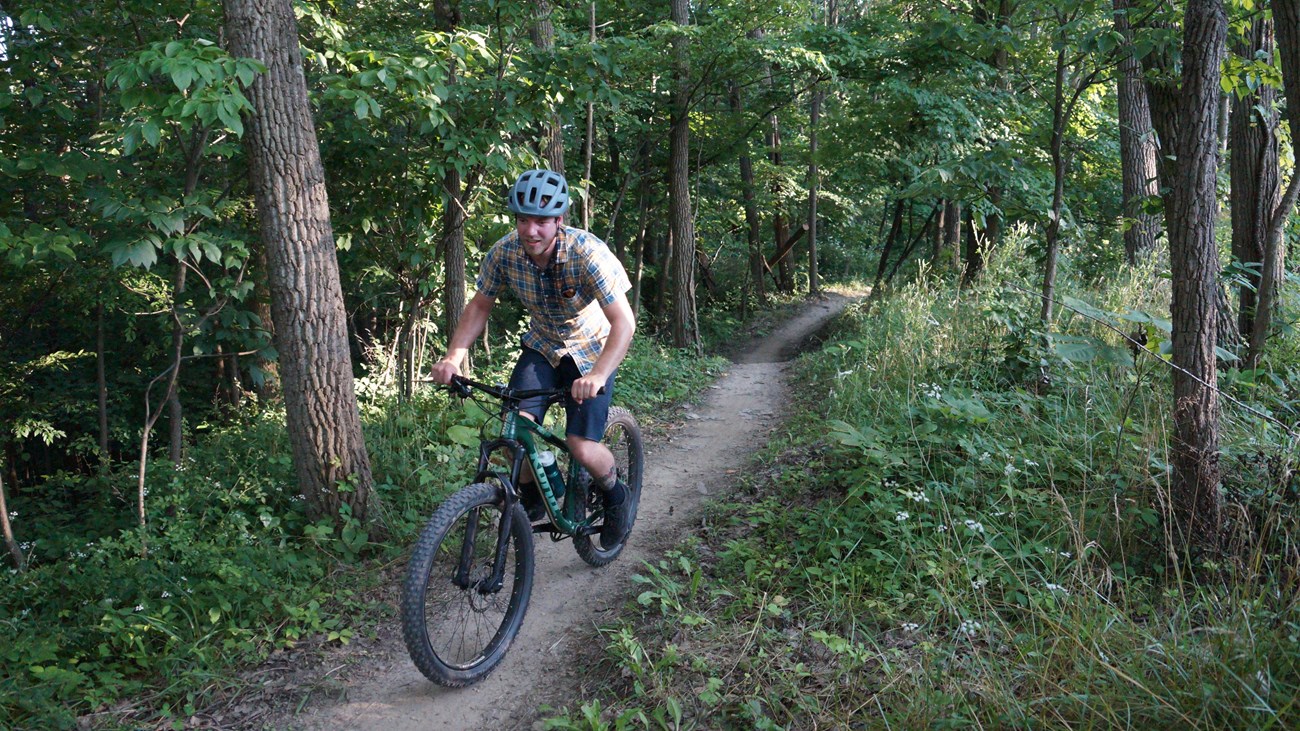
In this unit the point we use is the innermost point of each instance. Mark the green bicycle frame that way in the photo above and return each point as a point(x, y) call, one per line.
point(526, 432)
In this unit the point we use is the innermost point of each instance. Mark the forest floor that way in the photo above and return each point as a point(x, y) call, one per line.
point(372, 684)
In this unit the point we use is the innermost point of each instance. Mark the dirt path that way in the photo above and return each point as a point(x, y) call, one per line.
point(569, 598)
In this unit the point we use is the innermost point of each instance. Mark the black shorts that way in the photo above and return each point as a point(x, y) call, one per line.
point(534, 371)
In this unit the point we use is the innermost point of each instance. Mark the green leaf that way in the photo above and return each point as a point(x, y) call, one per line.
point(463, 435)
point(361, 109)
point(152, 132)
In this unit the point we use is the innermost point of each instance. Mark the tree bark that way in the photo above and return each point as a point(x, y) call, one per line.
point(1253, 168)
point(679, 191)
point(1194, 263)
point(752, 222)
point(175, 415)
point(542, 32)
point(814, 183)
point(1286, 19)
point(101, 384)
point(15, 550)
point(1137, 145)
point(952, 231)
point(288, 183)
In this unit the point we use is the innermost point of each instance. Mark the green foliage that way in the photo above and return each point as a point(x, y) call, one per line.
point(945, 542)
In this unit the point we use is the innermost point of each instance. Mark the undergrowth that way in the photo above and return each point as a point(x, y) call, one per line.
point(103, 634)
point(950, 540)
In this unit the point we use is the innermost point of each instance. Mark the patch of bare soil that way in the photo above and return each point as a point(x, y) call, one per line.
point(372, 684)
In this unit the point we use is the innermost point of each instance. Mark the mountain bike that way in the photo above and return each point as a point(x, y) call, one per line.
point(471, 571)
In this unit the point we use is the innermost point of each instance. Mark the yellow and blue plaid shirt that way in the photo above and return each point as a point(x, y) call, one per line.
point(565, 300)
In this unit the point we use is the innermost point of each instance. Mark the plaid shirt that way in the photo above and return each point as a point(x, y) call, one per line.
point(564, 300)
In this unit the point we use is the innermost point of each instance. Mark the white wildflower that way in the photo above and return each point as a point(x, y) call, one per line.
point(916, 496)
point(166, 594)
point(985, 457)
point(911, 626)
point(13, 515)
point(942, 528)
point(901, 516)
point(1066, 554)
point(1009, 470)
point(974, 526)
point(978, 584)
point(139, 607)
point(1030, 463)
point(1058, 587)
point(970, 627)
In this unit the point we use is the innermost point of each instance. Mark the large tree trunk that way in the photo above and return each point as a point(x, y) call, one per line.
point(1137, 145)
point(1194, 262)
point(268, 387)
point(684, 330)
point(288, 184)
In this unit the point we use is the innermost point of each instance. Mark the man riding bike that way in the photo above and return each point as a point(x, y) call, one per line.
point(580, 325)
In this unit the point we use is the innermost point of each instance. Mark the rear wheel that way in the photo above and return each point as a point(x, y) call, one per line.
point(623, 438)
point(456, 621)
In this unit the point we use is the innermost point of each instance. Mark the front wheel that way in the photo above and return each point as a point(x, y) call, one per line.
point(623, 438)
point(458, 615)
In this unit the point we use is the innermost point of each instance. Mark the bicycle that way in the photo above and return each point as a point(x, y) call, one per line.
point(471, 571)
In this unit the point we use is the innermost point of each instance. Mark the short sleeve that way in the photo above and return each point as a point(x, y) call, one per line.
point(604, 273)
point(491, 275)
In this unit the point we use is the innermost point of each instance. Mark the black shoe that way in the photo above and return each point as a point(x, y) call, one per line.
point(618, 519)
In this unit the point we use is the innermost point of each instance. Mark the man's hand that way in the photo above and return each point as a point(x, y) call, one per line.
point(587, 387)
point(443, 371)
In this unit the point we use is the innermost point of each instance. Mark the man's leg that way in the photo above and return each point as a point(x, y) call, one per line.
point(586, 428)
point(532, 371)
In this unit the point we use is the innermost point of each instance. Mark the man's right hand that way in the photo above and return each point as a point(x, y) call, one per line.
point(443, 371)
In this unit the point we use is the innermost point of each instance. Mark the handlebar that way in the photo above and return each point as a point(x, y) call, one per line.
point(461, 386)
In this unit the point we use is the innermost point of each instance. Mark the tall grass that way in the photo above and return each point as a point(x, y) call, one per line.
point(952, 540)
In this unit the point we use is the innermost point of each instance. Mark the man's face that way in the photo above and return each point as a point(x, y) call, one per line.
point(537, 233)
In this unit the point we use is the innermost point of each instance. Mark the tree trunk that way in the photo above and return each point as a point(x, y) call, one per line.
point(952, 231)
point(542, 32)
point(1286, 19)
point(453, 249)
point(1253, 165)
point(814, 181)
point(288, 184)
point(752, 222)
point(1059, 119)
point(175, 415)
point(1195, 268)
point(1137, 145)
point(591, 139)
point(15, 551)
point(101, 384)
point(679, 191)
point(895, 230)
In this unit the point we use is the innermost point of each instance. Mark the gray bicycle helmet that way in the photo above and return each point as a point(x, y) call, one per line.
point(539, 193)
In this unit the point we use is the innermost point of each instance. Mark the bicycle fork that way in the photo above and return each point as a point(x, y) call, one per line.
point(493, 582)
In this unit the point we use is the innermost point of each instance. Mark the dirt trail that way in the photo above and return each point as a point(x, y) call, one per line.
point(569, 598)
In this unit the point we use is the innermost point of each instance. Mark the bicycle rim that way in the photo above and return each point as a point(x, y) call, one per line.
point(457, 631)
point(623, 438)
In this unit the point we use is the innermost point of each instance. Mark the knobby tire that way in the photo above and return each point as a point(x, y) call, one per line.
point(623, 438)
point(457, 635)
